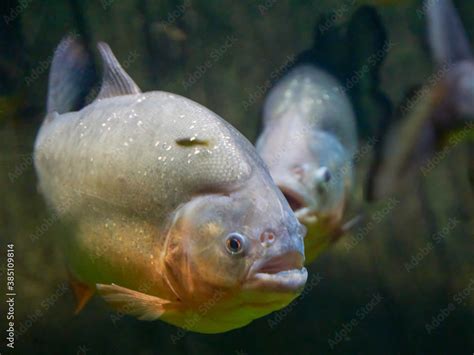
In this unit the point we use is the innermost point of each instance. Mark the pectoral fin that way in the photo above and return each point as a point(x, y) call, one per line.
point(137, 304)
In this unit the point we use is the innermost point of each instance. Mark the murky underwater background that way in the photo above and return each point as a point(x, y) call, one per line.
point(375, 292)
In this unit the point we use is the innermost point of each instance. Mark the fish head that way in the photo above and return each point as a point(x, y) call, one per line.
point(313, 175)
point(243, 242)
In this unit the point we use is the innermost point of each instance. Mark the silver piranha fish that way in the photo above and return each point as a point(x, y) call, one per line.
point(308, 141)
point(453, 57)
point(438, 112)
point(176, 218)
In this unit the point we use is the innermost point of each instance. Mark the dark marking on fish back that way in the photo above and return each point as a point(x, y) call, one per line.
point(191, 142)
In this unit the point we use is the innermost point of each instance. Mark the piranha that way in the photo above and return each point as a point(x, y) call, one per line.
point(308, 140)
point(441, 110)
point(453, 56)
point(174, 215)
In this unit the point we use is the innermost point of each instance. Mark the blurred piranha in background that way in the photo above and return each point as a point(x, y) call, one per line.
point(308, 141)
point(176, 216)
point(442, 112)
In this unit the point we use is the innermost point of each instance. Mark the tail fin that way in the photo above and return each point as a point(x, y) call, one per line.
point(71, 76)
point(446, 35)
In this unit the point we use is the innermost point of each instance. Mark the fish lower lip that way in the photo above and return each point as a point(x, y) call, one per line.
point(284, 281)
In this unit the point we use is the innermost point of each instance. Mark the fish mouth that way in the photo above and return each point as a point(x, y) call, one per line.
point(295, 199)
point(283, 273)
point(303, 209)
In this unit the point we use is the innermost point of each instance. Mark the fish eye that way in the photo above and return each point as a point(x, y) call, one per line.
point(323, 175)
point(322, 179)
point(326, 176)
point(234, 243)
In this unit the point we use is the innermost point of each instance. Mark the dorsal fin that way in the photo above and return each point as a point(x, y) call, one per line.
point(71, 76)
point(116, 81)
point(446, 35)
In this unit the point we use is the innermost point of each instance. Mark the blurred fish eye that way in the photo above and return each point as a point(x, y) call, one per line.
point(322, 179)
point(235, 243)
point(323, 174)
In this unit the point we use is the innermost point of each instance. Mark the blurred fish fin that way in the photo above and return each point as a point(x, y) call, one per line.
point(402, 156)
point(82, 292)
point(352, 223)
point(115, 81)
point(347, 227)
point(140, 305)
point(71, 76)
point(446, 35)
